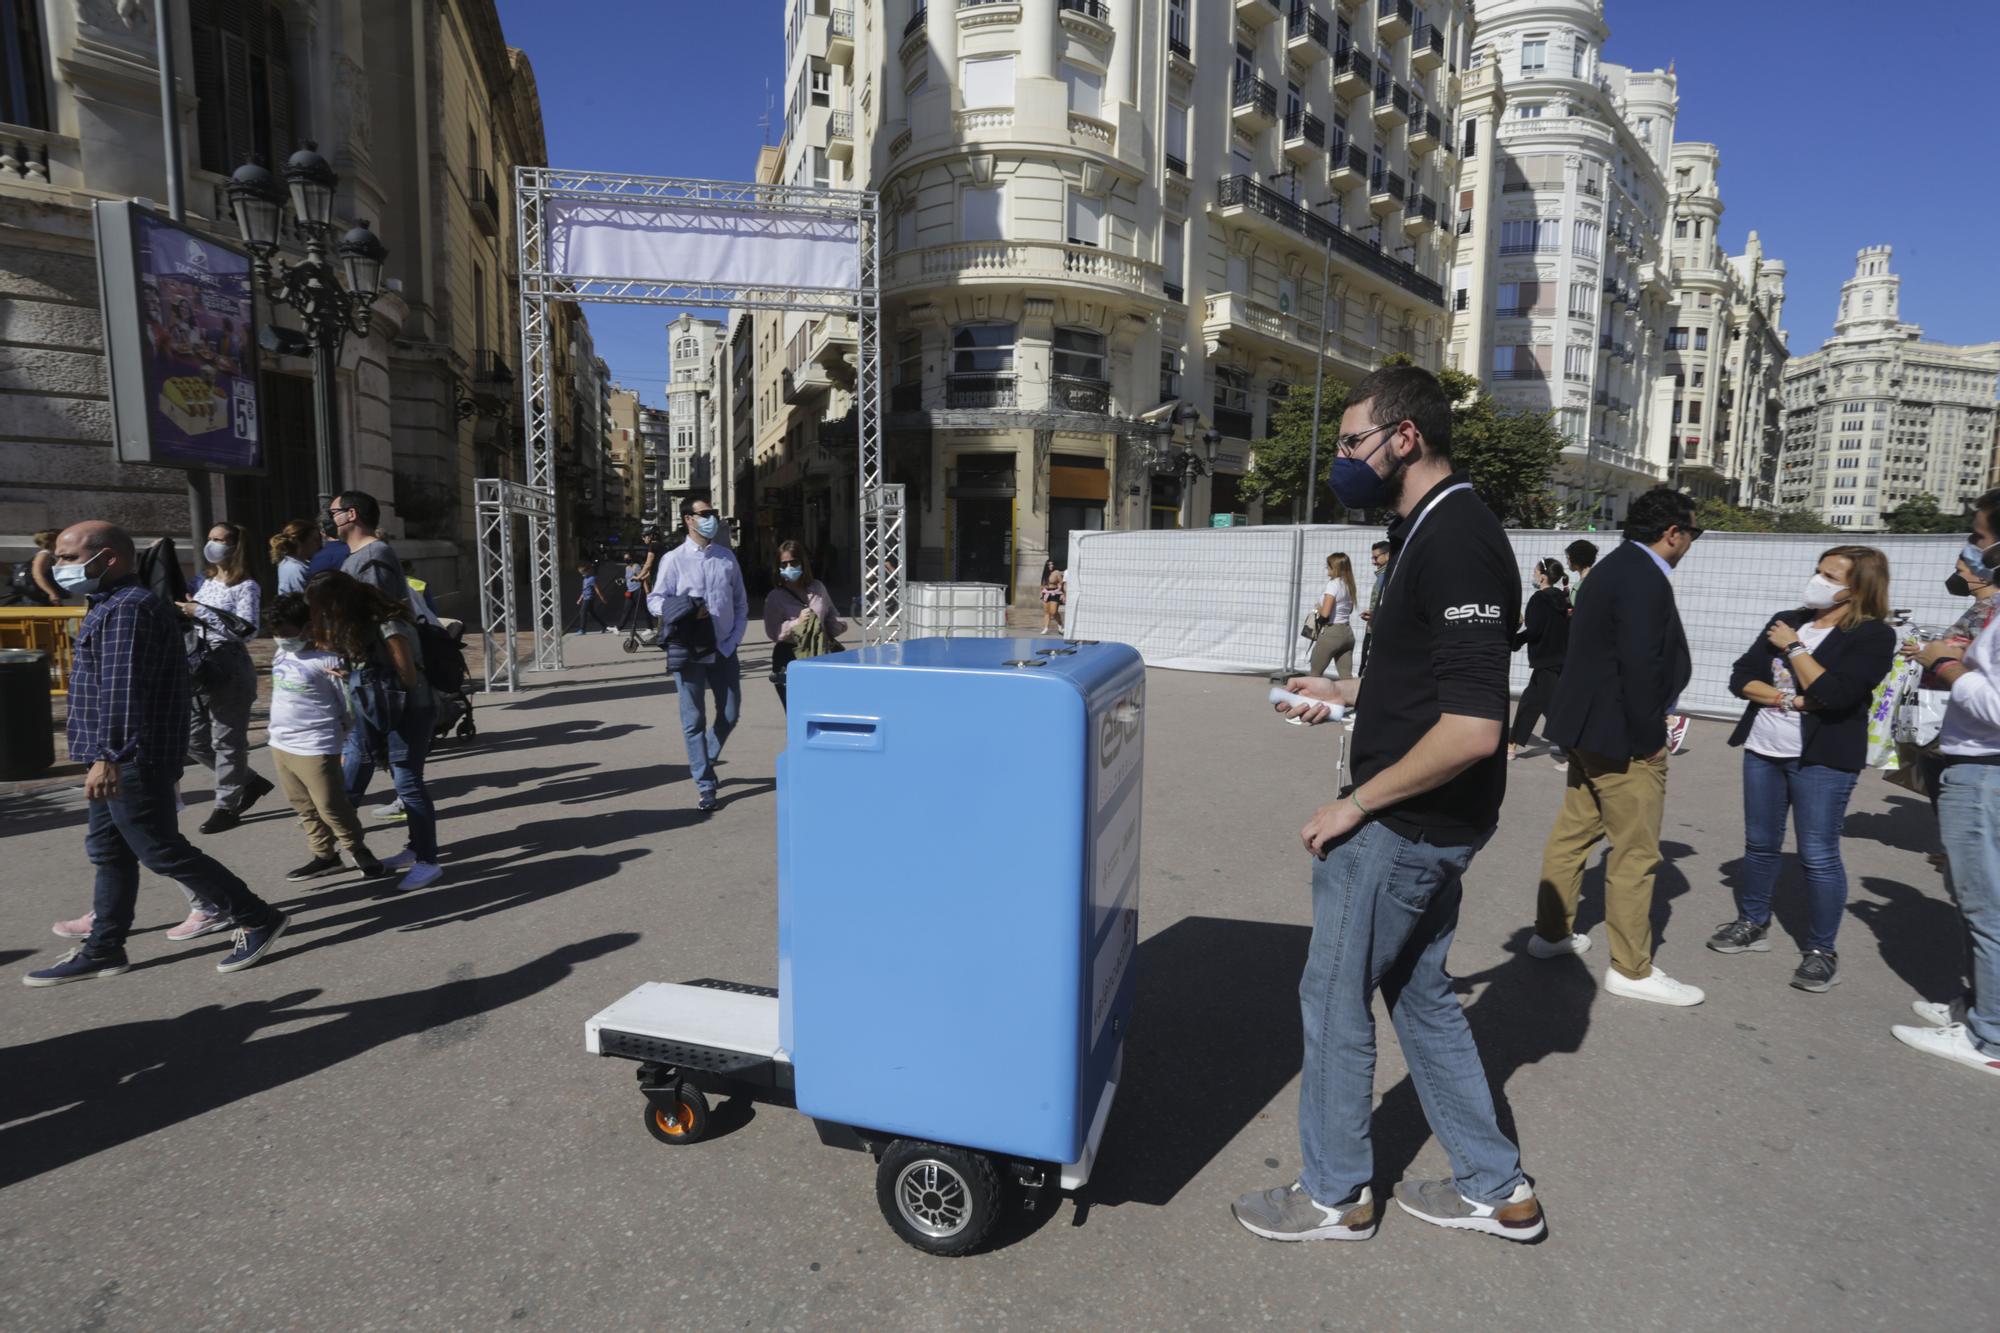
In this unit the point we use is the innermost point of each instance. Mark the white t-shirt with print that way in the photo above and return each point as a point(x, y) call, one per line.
point(1776, 733)
point(308, 703)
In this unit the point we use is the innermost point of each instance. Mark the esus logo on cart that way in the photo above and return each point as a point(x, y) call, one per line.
point(1120, 727)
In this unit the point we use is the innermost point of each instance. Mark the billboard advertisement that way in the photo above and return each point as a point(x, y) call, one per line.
point(180, 335)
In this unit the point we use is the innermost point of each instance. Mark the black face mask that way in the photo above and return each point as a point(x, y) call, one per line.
point(328, 527)
point(1957, 586)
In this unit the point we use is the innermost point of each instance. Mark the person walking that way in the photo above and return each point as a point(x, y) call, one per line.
point(1626, 666)
point(1967, 1030)
point(1055, 592)
point(635, 595)
point(309, 720)
point(129, 713)
point(1378, 558)
point(1545, 633)
point(1391, 851)
point(799, 614)
point(363, 555)
point(33, 581)
point(703, 569)
point(588, 599)
point(292, 550)
point(1807, 683)
point(394, 710)
point(225, 682)
point(1333, 644)
point(1582, 557)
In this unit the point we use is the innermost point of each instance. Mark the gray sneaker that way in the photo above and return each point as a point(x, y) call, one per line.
point(1740, 936)
point(1289, 1213)
point(1518, 1217)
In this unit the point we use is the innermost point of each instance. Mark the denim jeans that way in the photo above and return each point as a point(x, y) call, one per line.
point(1969, 825)
point(406, 741)
point(139, 827)
point(1384, 912)
point(1816, 796)
point(694, 681)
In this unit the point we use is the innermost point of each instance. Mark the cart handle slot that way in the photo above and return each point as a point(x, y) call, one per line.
point(844, 733)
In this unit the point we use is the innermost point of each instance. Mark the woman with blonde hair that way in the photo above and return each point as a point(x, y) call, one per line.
point(1335, 640)
point(292, 549)
point(1807, 683)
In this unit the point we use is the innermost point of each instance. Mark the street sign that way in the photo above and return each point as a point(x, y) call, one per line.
point(1223, 521)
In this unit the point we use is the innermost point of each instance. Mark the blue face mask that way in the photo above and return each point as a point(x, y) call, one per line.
point(708, 525)
point(1358, 486)
point(77, 579)
point(290, 645)
point(791, 572)
point(1986, 558)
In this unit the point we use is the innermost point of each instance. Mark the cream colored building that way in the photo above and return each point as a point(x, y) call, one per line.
point(1877, 416)
point(1561, 303)
point(1093, 214)
point(1754, 377)
point(422, 110)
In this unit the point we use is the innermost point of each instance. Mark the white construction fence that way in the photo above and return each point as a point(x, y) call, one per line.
point(1233, 599)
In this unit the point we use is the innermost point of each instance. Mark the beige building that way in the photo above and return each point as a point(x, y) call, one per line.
point(1561, 304)
point(1754, 377)
point(1877, 416)
point(1095, 214)
point(423, 111)
point(628, 452)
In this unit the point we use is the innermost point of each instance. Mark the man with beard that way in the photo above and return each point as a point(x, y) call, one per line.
point(1389, 852)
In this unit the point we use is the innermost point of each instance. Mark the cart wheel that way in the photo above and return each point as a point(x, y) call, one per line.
point(941, 1200)
point(467, 727)
point(688, 1121)
point(631, 643)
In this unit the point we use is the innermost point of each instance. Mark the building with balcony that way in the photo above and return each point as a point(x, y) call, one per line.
point(1561, 303)
point(692, 409)
point(656, 447)
point(1877, 416)
point(1096, 214)
point(427, 400)
point(1754, 376)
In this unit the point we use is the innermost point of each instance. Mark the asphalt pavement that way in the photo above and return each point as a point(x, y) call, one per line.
point(393, 1124)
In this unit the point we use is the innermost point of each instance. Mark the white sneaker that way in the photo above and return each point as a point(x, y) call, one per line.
point(422, 874)
point(1541, 948)
point(1935, 1014)
point(1952, 1042)
point(1656, 986)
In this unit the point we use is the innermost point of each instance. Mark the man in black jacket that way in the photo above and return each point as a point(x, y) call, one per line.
point(1626, 666)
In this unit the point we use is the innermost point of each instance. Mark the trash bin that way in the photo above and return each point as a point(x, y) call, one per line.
point(27, 722)
point(958, 889)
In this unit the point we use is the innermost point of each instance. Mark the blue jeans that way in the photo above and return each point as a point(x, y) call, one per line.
point(406, 740)
point(1816, 797)
point(723, 676)
point(1969, 825)
point(1384, 912)
point(138, 827)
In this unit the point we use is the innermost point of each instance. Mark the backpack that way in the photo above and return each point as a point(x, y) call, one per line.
point(444, 664)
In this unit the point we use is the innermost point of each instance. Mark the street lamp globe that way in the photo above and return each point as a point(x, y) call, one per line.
point(311, 180)
point(1210, 439)
point(256, 201)
point(361, 253)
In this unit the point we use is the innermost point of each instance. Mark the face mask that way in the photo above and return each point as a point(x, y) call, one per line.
point(791, 572)
point(1980, 558)
point(1822, 593)
point(290, 645)
point(1358, 486)
point(328, 528)
point(707, 525)
point(217, 552)
point(77, 579)
point(1956, 585)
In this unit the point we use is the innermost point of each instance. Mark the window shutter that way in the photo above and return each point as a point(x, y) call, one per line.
point(211, 119)
point(236, 101)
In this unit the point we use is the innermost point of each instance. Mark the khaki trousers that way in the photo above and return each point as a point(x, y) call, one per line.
point(312, 783)
point(1623, 800)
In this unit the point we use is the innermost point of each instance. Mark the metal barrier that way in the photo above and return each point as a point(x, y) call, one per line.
point(48, 629)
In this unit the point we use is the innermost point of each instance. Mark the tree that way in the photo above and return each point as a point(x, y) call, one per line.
point(1800, 520)
point(1721, 516)
point(1921, 514)
point(1510, 456)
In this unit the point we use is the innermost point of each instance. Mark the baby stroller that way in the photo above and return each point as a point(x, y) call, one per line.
point(451, 684)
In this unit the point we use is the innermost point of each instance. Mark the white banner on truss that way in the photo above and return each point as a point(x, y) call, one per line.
point(671, 240)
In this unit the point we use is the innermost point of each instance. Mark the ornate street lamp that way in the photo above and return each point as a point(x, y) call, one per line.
point(310, 288)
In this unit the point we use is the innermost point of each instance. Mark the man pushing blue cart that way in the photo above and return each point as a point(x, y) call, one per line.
point(955, 1002)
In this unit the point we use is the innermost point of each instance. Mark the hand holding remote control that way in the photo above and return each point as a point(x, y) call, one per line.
point(1299, 703)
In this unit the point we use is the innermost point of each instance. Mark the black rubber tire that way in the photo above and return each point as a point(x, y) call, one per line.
point(689, 1125)
point(467, 728)
point(962, 1193)
point(631, 644)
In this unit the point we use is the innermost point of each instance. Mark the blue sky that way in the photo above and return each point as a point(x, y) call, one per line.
point(1836, 132)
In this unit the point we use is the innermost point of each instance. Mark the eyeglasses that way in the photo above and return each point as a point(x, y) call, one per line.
point(1346, 443)
point(1691, 530)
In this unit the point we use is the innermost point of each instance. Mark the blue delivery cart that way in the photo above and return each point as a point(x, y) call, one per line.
point(954, 987)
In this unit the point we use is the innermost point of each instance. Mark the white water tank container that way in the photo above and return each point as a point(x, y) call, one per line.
point(954, 611)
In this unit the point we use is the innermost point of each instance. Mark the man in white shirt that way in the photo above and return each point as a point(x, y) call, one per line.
point(704, 568)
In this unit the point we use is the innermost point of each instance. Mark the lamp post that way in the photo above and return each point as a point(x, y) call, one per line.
point(1183, 457)
point(312, 287)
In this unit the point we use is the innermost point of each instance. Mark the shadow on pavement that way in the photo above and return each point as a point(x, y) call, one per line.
point(624, 687)
point(567, 732)
point(1529, 1009)
point(1668, 884)
point(102, 1087)
point(41, 811)
point(1215, 1036)
point(1909, 825)
point(599, 784)
point(1921, 938)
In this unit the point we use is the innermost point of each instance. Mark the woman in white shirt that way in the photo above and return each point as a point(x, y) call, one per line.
point(1335, 640)
point(225, 682)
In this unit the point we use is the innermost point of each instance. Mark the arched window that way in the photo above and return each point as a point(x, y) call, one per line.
point(243, 80)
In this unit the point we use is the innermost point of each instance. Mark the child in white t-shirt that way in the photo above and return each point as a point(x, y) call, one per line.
point(308, 724)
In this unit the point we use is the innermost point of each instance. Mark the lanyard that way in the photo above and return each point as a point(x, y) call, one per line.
point(1389, 579)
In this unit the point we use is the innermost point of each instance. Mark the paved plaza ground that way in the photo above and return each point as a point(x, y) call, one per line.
point(392, 1124)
